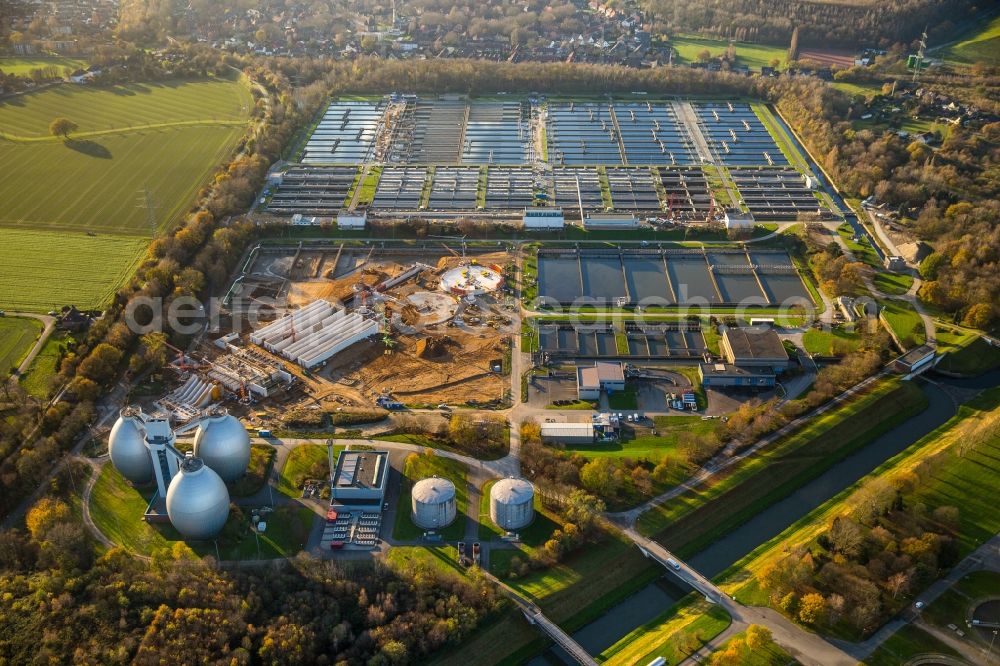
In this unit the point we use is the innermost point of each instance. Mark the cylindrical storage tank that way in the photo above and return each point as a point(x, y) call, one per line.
point(224, 444)
point(197, 500)
point(127, 447)
point(512, 503)
point(433, 503)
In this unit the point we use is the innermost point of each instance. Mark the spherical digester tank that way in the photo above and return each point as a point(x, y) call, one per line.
point(433, 503)
point(197, 500)
point(512, 503)
point(127, 447)
point(224, 444)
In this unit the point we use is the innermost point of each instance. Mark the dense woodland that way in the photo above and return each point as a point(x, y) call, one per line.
point(860, 22)
point(60, 603)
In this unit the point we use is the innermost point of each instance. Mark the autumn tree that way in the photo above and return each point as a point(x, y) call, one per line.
point(62, 127)
point(45, 514)
point(812, 608)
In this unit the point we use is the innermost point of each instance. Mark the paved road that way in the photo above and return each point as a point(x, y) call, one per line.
point(49, 324)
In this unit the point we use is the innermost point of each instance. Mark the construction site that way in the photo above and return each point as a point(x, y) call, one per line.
point(358, 325)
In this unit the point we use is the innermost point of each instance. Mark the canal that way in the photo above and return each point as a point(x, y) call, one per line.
point(652, 600)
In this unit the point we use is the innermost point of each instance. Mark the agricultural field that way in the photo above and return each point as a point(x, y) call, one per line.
point(167, 137)
point(135, 106)
point(752, 55)
point(45, 269)
point(23, 66)
point(17, 335)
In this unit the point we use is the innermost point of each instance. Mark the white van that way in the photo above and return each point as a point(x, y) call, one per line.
point(673, 563)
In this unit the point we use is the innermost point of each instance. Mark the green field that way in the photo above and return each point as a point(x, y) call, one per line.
point(17, 336)
point(965, 352)
point(866, 90)
point(135, 105)
point(165, 137)
point(117, 508)
point(752, 55)
point(894, 284)
point(904, 322)
point(22, 66)
point(42, 270)
point(673, 635)
point(981, 46)
point(297, 465)
point(41, 371)
point(835, 342)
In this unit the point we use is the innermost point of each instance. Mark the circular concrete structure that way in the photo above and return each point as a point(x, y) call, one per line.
point(512, 503)
point(472, 279)
point(127, 448)
point(433, 503)
point(433, 307)
point(224, 444)
point(197, 501)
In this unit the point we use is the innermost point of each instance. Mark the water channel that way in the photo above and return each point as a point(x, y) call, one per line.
point(655, 598)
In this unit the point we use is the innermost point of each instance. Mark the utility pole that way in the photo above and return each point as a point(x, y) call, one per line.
point(146, 202)
point(919, 58)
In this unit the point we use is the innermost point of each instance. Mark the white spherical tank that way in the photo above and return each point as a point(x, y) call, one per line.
point(224, 444)
point(127, 447)
point(512, 503)
point(197, 500)
point(433, 503)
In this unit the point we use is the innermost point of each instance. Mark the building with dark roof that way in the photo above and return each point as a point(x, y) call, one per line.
point(360, 478)
point(754, 348)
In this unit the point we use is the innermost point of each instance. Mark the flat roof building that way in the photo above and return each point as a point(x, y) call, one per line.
point(754, 348)
point(726, 375)
point(568, 433)
point(915, 360)
point(360, 478)
point(543, 218)
point(603, 375)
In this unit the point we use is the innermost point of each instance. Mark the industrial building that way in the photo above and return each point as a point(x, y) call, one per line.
point(359, 478)
point(568, 433)
point(727, 375)
point(543, 218)
point(735, 219)
point(189, 488)
point(512, 503)
point(352, 219)
point(433, 503)
point(915, 360)
point(610, 221)
point(754, 348)
point(314, 334)
point(601, 376)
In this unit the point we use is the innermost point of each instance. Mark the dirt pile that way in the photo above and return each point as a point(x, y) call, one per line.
point(432, 347)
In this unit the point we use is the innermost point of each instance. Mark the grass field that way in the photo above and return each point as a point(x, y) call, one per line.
point(17, 335)
point(417, 467)
point(863, 89)
point(981, 46)
point(965, 351)
point(894, 284)
point(698, 517)
point(904, 322)
point(835, 342)
point(752, 55)
point(962, 597)
point(88, 188)
point(41, 371)
point(905, 644)
point(297, 465)
point(117, 509)
point(122, 107)
point(673, 635)
point(22, 66)
point(42, 270)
